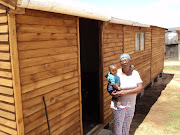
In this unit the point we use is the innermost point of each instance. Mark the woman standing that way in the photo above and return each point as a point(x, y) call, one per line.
point(131, 85)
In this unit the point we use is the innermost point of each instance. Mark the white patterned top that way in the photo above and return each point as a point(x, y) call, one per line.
point(129, 82)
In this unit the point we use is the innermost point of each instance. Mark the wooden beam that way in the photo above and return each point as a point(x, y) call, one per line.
point(9, 3)
point(15, 73)
point(18, 10)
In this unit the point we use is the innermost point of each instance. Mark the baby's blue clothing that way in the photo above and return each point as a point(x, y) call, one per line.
point(113, 79)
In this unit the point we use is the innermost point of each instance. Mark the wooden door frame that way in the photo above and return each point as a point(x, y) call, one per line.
point(79, 76)
point(101, 93)
point(101, 114)
point(102, 123)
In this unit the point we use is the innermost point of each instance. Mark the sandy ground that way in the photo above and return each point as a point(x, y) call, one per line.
point(172, 63)
point(152, 110)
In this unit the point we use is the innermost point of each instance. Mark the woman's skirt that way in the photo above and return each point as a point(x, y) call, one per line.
point(122, 120)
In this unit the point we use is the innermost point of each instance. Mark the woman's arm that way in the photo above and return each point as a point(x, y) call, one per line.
point(136, 90)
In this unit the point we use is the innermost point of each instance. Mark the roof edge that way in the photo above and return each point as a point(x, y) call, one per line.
point(65, 7)
point(159, 27)
point(127, 22)
point(75, 8)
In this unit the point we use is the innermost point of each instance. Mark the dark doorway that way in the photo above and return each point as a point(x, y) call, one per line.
point(89, 57)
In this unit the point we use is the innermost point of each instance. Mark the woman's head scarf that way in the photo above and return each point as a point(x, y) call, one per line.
point(125, 55)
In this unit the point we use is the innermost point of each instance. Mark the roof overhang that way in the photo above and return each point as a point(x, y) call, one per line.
point(75, 8)
point(68, 7)
point(127, 22)
point(159, 27)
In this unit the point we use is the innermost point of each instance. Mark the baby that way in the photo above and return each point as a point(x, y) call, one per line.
point(113, 85)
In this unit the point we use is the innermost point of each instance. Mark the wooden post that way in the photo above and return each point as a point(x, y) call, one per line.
point(156, 79)
point(15, 73)
point(152, 83)
point(79, 76)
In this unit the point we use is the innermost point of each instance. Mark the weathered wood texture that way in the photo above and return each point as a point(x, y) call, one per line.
point(118, 39)
point(7, 103)
point(48, 57)
point(158, 43)
point(140, 59)
point(9, 3)
point(15, 73)
point(79, 80)
point(112, 47)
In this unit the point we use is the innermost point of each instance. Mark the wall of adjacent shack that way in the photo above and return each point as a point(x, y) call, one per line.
point(48, 61)
point(112, 47)
point(118, 39)
point(7, 102)
point(140, 59)
point(158, 44)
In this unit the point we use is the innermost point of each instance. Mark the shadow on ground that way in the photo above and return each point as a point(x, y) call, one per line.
point(151, 95)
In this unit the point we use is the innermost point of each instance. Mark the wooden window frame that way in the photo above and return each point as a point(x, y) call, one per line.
point(139, 41)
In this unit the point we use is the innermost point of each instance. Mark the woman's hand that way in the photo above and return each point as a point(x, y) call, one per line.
point(122, 92)
point(136, 90)
point(114, 94)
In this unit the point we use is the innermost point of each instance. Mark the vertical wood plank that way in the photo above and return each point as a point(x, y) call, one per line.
point(151, 57)
point(79, 76)
point(123, 38)
point(15, 73)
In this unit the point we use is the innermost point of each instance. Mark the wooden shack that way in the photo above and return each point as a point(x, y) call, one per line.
point(65, 58)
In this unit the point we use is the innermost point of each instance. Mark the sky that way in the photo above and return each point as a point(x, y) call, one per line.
point(162, 13)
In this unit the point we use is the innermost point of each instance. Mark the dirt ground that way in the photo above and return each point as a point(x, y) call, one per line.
point(153, 109)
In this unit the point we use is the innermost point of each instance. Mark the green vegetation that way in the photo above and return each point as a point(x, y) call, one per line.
point(173, 127)
point(178, 106)
point(172, 68)
point(178, 96)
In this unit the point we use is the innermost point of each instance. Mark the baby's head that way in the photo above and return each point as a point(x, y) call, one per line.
point(113, 68)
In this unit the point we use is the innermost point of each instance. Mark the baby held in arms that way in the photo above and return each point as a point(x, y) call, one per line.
point(113, 85)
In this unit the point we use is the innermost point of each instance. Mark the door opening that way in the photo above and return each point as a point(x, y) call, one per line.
point(89, 57)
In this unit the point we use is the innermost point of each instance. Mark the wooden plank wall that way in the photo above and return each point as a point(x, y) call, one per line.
point(112, 47)
point(158, 43)
point(7, 107)
point(48, 57)
point(140, 59)
point(118, 39)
